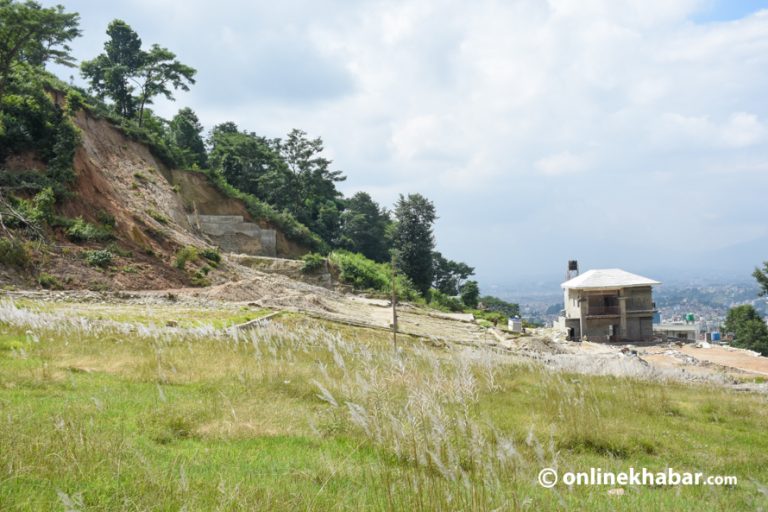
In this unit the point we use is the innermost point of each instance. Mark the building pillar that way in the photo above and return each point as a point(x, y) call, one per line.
point(622, 334)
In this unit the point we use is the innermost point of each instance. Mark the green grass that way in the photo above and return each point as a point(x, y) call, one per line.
point(157, 314)
point(107, 418)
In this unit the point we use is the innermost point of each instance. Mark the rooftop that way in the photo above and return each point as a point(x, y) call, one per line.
point(607, 278)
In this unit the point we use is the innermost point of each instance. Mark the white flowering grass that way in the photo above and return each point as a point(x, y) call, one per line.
point(99, 414)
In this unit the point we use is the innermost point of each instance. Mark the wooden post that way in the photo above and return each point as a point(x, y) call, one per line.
point(394, 302)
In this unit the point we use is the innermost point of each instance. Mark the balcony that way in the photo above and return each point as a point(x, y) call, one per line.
point(635, 305)
point(602, 310)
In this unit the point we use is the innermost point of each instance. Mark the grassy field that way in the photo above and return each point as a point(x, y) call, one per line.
point(99, 414)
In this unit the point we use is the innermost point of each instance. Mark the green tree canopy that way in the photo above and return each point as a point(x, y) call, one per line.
point(449, 275)
point(762, 278)
point(124, 69)
point(364, 227)
point(414, 240)
point(490, 303)
point(33, 35)
point(252, 164)
point(470, 293)
point(318, 202)
point(185, 132)
point(158, 74)
point(290, 175)
point(749, 329)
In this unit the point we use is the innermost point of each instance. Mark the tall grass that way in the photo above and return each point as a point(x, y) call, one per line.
point(294, 415)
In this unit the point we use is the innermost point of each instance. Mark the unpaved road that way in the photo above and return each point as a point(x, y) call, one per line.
point(719, 365)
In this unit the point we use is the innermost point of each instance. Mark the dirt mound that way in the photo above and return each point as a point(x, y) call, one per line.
point(541, 345)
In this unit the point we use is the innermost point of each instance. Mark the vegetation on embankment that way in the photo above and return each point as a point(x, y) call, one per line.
point(190, 417)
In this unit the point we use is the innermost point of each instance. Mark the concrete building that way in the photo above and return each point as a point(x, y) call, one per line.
point(515, 324)
point(609, 305)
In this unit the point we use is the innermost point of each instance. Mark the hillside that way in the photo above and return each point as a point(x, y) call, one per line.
point(149, 210)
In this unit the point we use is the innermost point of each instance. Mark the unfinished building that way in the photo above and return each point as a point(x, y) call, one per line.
point(609, 305)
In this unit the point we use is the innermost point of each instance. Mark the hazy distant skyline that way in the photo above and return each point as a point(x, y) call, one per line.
point(622, 133)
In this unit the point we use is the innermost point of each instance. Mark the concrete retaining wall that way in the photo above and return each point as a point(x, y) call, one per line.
point(233, 234)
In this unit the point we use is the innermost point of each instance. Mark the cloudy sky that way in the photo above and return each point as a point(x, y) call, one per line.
point(623, 133)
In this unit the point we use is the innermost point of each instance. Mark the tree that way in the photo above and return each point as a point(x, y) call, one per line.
point(252, 164)
point(291, 175)
point(490, 303)
point(160, 71)
point(185, 132)
point(749, 329)
point(414, 240)
point(125, 68)
point(316, 183)
point(33, 35)
point(470, 293)
point(111, 73)
point(364, 227)
point(449, 275)
point(762, 278)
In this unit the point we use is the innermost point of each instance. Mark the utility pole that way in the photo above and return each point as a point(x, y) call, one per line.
point(394, 302)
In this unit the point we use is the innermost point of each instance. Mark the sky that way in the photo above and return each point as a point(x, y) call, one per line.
point(621, 133)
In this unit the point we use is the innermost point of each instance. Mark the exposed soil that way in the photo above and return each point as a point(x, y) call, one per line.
point(120, 179)
point(719, 365)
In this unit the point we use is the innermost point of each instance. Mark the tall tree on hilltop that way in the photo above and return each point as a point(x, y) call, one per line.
point(159, 72)
point(124, 68)
point(33, 35)
point(185, 131)
point(318, 203)
point(110, 72)
point(414, 240)
point(364, 227)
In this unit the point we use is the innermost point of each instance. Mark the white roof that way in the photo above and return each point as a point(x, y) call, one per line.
point(608, 278)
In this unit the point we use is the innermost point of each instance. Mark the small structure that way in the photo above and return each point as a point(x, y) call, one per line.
point(515, 324)
point(609, 305)
point(678, 331)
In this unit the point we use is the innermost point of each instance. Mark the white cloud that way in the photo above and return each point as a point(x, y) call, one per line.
point(743, 129)
point(561, 163)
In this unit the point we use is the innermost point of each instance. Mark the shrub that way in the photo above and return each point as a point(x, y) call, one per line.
point(365, 274)
point(200, 280)
point(117, 250)
point(49, 282)
point(101, 258)
point(212, 255)
point(159, 217)
point(42, 205)
point(13, 253)
point(312, 262)
point(35, 212)
point(82, 231)
point(440, 300)
point(188, 253)
point(496, 317)
point(106, 218)
point(360, 272)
